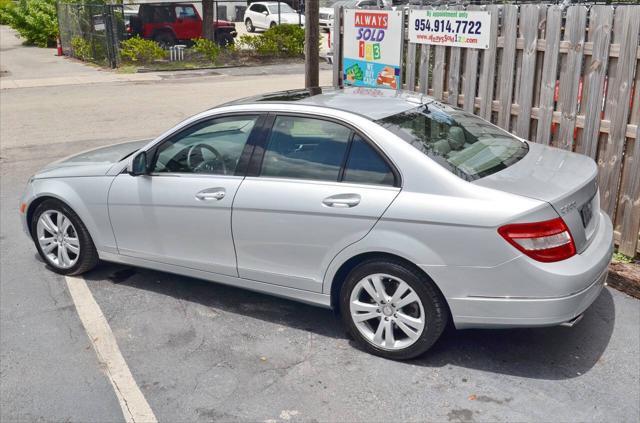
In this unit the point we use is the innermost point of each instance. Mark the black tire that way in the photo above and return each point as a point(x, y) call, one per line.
point(249, 25)
point(435, 308)
point(225, 40)
point(88, 255)
point(165, 39)
point(273, 25)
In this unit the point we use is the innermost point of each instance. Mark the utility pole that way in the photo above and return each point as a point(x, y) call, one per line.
point(311, 43)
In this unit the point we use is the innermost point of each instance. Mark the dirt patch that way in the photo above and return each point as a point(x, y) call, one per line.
point(225, 61)
point(625, 277)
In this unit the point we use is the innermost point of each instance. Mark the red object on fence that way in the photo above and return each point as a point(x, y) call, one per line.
point(59, 47)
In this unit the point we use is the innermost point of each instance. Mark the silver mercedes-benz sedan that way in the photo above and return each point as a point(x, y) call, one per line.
point(398, 212)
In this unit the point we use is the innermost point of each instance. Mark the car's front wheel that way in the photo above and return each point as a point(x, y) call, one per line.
point(62, 239)
point(391, 309)
point(249, 25)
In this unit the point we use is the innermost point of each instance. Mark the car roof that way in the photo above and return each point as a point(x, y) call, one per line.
point(371, 103)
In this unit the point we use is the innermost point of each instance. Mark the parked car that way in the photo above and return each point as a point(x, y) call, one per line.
point(397, 211)
point(265, 15)
point(171, 23)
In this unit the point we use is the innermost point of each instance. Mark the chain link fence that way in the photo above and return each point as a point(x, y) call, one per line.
point(91, 32)
point(94, 32)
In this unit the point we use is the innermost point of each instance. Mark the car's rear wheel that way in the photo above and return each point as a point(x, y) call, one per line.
point(273, 25)
point(62, 239)
point(165, 39)
point(392, 310)
point(249, 25)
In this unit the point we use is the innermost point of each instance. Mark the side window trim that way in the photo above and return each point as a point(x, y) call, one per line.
point(241, 168)
point(261, 140)
point(345, 159)
point(257, 158)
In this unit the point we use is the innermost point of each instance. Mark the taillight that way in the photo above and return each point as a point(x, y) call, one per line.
point(546, 241)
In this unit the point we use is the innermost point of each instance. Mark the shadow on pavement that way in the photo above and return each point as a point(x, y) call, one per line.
point(539, 353)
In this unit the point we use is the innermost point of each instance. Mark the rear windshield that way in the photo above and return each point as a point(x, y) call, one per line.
point(284, 8)
point(463, 143)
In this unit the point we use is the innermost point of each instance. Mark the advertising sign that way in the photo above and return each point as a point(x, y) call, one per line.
point(372, 48)
point(455, 28)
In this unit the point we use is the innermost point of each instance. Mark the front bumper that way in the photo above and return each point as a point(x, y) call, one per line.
point(525, 293)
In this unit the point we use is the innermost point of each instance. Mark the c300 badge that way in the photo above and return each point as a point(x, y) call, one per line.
point(568, 207)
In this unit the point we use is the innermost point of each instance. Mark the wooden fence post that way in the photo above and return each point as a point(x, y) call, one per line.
point(625, 33)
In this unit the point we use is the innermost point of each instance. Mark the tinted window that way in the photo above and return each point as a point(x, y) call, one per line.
point(212, 147)
point(284, 8)
point(365, 166)
point(161, 14)
point(305, 148)
point(185, 12)
point(460, 142)
point(258, 8)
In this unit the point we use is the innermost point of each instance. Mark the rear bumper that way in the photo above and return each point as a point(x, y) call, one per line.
point(525, 293)
point(529, 312)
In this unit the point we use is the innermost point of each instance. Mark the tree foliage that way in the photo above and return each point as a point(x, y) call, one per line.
point(35, 20)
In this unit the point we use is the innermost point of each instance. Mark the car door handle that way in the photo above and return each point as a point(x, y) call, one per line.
point(211, 194)
point(342, 200)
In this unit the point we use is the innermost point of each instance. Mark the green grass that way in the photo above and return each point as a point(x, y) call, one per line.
point(621, 258)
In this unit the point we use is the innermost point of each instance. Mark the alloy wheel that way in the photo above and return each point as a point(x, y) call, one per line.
point(58, 239)
point(387, 311)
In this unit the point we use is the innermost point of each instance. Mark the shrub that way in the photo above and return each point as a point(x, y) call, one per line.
point(207, 48)
point(280, 40)
point(139, 50)
point(81, 48)
point(5, 14)
point(35, 20)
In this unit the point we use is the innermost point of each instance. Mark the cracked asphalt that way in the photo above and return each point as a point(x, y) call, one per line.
point(201, 351)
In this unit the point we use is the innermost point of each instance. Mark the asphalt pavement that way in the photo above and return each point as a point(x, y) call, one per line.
point(202, 351)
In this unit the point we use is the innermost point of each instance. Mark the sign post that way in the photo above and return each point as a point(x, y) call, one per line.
point(372, 48)
point(454, 28)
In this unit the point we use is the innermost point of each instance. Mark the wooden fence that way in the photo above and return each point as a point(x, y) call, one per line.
point(556, 75)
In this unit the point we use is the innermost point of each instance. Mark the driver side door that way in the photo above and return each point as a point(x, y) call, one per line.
point(180, 212)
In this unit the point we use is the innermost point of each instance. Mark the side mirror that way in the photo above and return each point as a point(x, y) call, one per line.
point(265, 13)
point(138, 164)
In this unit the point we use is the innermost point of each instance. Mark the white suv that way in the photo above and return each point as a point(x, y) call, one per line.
point(265, 15)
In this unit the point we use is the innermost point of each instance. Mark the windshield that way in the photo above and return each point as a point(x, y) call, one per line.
point(464, 144)
point(284, 8)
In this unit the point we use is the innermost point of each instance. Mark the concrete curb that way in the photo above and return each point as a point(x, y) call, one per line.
point(7, 84)
point(625, 277)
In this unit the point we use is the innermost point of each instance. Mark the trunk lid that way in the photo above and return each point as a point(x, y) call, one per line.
point(566, 180)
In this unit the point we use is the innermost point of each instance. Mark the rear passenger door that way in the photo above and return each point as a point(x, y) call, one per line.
point(314, 187)
point(188, 24)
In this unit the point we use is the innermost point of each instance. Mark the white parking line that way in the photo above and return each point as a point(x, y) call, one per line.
point(134, 406)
